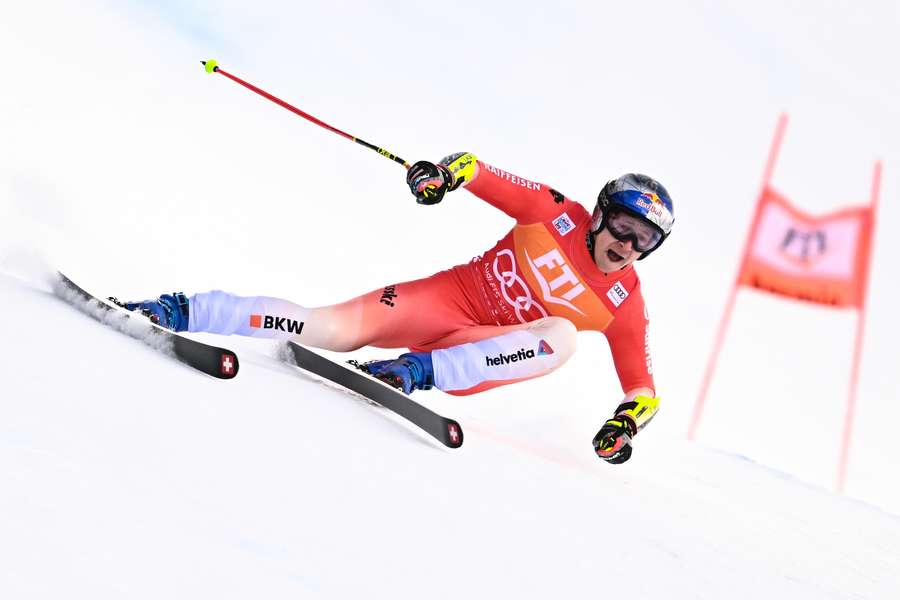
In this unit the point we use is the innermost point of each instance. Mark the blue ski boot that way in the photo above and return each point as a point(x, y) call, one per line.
point(169, 310)
point(408, 372)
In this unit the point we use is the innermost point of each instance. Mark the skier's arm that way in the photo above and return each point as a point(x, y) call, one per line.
point(627, 336)
point(524, 200)
point(628, 342)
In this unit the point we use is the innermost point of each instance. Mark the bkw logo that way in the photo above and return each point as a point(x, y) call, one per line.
point(278, 323)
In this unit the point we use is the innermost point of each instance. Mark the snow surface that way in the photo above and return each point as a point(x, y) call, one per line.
point(126, 474)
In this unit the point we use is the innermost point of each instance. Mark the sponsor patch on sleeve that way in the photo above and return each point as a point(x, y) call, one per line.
point(617, 294)
point(563, 224)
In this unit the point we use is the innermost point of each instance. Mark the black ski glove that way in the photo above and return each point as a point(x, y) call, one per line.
point(613, 442)
point(428, 182)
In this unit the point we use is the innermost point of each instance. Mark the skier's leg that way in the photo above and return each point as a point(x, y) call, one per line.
point(498, 356)
point(263, 317)
point(402, 315)
point(479, 358)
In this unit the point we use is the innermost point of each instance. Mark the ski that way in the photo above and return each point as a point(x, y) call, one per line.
point(214, 361)
point(447, 431)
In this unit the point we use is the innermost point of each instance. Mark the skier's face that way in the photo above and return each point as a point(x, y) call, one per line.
point(611, 254)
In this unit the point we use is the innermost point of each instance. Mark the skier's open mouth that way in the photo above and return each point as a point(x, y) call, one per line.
point(613, 256)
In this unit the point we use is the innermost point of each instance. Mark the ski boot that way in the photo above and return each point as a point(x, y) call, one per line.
point(169, 310)
point(409, 372)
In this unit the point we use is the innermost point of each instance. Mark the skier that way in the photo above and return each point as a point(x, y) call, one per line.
point(509, 315)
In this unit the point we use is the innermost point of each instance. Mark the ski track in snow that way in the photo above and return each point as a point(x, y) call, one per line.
point(134, 327)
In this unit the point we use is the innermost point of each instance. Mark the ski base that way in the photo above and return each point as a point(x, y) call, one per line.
point(447, 431)
point(220, 363)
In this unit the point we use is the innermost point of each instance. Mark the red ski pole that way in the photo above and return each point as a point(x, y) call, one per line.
point(212, 67)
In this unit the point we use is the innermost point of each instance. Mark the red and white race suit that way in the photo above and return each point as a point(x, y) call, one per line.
point(506, 316)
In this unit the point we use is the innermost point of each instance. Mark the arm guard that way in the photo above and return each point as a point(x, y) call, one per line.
point(638, 412)
point(463, 166)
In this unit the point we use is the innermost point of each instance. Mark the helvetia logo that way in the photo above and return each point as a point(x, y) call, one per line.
point(543, 349)
point(279, 323)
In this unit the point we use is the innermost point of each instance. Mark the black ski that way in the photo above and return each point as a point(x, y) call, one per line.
point(217, 362)
point(447, 431)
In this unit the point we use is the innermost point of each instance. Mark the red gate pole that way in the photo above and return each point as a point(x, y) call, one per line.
point(858, 344)
point(729, 305)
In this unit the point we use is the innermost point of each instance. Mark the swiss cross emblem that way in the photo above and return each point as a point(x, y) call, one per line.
point(227, 365)
point(454, 433)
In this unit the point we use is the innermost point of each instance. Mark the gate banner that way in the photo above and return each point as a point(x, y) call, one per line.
point(818, 259)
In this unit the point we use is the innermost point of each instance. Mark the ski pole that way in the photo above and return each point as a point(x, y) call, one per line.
point(212, 67)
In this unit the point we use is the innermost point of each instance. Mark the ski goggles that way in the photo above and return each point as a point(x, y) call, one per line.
point(624, 226)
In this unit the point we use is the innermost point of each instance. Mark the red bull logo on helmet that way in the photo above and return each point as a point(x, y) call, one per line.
point(648, 200)
point(657, 211)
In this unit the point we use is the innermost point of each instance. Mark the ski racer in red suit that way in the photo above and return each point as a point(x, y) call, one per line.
point(509, 315)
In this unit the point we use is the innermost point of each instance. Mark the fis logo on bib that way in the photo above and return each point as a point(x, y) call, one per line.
point(543, 349)
point(279, 323)
point(563, 224)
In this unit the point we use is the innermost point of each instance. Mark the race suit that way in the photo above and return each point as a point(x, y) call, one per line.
point(508, 315)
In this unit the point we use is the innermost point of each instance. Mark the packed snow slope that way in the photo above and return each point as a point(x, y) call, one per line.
point(129, 167)
point(127, 474)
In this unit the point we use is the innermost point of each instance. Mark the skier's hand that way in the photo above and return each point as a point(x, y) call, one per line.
point(428, 182)
point(613, 442)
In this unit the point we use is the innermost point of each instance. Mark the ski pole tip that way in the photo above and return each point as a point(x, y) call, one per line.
point(210, 65)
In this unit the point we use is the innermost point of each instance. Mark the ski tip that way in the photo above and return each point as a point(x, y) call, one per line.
point(454, 434)
point(210, 65)
point(228, 365)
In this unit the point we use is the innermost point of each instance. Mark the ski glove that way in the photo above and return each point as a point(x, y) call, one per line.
point(429, 182)
point(613, 442)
